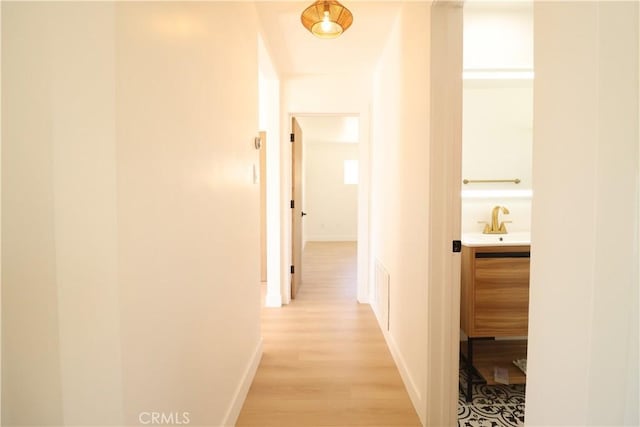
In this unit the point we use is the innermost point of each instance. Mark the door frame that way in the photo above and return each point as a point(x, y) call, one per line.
point(297, 184)
point(445, 165)
point(363, 288)
point(262, 135)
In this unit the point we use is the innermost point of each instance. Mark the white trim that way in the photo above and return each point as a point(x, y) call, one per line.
point(240, 395)
point(409, 383)
point(273, 299)
point(442, 304)
point(334, 238)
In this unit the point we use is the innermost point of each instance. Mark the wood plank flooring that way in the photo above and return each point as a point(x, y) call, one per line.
point(487, 355)
point(325, 362)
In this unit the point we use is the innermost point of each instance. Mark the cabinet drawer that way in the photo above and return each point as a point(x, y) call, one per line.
point(501, 296)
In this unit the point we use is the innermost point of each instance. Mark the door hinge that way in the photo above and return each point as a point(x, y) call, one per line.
point(457, 246)
point(293, 270)
point(292, 137)
point(293, 204)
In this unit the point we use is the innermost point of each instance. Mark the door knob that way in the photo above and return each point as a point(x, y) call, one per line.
point(303, 214)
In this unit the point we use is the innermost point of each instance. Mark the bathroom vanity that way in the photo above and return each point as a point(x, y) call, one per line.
point(494, 303)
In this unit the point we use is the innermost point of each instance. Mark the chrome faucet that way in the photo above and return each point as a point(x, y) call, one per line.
point(494, 228)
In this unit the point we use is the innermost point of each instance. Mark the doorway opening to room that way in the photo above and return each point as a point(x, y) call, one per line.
point(325, 206)
point(497, 138)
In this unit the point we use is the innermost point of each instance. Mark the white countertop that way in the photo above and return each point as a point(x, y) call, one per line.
point(518, 238)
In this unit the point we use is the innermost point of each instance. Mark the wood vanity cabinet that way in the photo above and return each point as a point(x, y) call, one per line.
point(494, 299)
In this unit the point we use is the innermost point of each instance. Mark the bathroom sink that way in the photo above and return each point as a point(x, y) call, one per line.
point(517, 238)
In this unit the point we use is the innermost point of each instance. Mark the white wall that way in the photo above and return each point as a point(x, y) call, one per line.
point(399, 190)
point(498, 35)
point(583, 319)
point(60, 337)
point(316, 95)
point(330, 204)
point(126, 128)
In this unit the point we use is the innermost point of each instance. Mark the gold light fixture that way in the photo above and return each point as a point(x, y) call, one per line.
point(326, 19)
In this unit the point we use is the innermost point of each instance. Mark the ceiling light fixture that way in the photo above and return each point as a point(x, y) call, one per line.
point(326, 19)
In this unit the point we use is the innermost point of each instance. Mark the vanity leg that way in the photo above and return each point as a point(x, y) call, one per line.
point(469, 394)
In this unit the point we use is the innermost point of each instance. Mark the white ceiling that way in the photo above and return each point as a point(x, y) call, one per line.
point(295, 51)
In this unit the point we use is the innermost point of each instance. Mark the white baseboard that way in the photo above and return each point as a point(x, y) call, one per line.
point(273, 299)
point(409, 384)
point(243, 388)
point(363, 298)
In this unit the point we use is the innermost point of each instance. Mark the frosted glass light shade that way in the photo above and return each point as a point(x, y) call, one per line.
point(326, 19)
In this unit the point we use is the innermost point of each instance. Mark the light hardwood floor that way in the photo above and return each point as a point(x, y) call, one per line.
point(325, 361)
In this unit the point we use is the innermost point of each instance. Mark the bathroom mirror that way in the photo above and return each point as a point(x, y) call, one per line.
point(497, 134)
point(497, 119)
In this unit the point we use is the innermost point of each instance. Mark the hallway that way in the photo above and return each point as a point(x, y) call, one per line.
point(325, 361)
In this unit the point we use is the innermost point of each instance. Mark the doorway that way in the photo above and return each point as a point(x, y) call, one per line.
point(325, 176)
point(496, 210)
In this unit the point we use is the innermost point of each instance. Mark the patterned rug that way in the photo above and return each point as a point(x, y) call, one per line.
point(492, 405)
